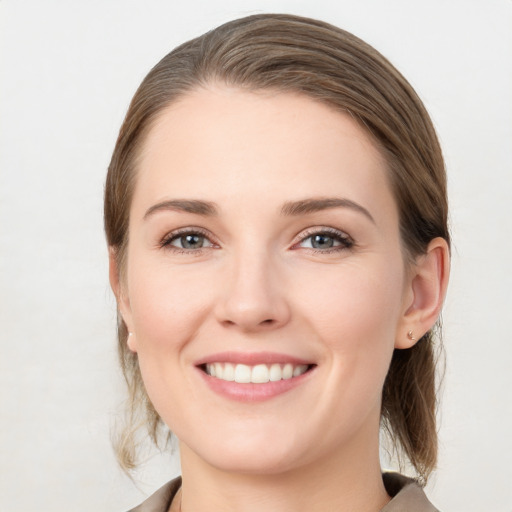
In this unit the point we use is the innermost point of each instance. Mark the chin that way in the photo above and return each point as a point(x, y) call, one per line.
point(249, 457)
point(253, 464)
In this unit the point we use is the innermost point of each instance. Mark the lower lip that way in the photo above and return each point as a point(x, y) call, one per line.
point(251, 392)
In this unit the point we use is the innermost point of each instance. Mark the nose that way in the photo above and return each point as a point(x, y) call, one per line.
point(253, 295)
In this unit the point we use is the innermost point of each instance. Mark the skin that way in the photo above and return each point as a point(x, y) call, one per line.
point(257, 285)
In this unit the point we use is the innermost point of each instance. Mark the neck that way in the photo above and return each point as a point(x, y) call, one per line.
point(342, 482)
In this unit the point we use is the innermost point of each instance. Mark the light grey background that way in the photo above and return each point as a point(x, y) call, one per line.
point(68, 71)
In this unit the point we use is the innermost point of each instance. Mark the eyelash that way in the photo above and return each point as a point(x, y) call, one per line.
point(344, 240)
point(166, 242)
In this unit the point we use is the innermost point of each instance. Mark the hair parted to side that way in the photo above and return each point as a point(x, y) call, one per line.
point(289, 53)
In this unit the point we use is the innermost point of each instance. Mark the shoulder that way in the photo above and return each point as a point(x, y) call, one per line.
point(406, 495)
point(161, 500)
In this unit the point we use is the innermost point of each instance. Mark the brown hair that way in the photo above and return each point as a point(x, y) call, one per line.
point(330, 65)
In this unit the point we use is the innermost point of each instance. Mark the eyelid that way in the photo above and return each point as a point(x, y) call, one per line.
point(188, 230)
point(348, 241)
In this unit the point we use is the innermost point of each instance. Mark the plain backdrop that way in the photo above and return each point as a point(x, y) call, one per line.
point(68, 71)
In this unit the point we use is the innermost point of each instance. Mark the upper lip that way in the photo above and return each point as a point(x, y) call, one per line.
point(251, 358)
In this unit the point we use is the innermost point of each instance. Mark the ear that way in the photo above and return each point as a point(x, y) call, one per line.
point(425, 293)
point(122, 299)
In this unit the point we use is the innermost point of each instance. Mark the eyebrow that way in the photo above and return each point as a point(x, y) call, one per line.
point(196, 206)
point(290, 208)
point(313, 205)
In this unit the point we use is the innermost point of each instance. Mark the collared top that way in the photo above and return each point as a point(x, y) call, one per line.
point(406, 496)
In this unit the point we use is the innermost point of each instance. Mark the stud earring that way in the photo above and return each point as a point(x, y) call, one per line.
point(410, 335)
point(129, 341)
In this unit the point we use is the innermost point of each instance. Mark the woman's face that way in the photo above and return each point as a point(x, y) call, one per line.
point(263, 247)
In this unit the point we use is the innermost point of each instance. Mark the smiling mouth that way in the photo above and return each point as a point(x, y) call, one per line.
point(256, 374)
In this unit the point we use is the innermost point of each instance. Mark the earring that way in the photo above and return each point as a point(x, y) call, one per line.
point(129, 342)
point(410, 336)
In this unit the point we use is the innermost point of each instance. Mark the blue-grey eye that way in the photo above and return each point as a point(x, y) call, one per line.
point(322, 241)
point(326, 240)
point(190, 241)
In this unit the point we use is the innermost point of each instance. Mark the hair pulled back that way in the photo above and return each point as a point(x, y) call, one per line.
point(330, 65)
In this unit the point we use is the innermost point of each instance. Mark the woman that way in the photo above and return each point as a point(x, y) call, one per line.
point(276, 214)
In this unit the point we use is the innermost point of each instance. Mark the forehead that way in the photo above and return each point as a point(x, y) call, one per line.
point(217, 142)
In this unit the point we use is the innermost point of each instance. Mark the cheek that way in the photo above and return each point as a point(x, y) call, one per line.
point(356, 316)
point(356, 304)
point(168, 308)
point(167, 305)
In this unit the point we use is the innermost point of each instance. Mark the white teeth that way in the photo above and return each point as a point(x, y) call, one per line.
point(258, 374)
point(242, 373)
point(275, 373)
point(299, 370)
point(287, 371)
point(229, 372)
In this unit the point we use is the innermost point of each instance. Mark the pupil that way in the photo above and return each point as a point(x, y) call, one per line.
point(192, 241)
point(322, 241)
